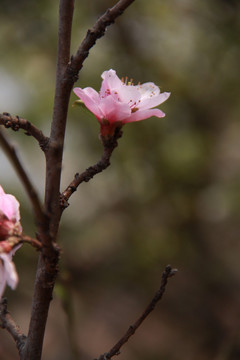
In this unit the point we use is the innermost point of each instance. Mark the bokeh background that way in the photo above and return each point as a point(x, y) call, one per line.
point(171, 195)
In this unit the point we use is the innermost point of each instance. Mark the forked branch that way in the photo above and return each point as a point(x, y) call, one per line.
point(67, 73)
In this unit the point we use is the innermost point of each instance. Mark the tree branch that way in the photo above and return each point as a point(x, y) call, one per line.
point(49, 257)
point(67, 74)
point(89, 173)
point(48, 261)
point(66, 9)
point(29, 188)
point(115, 350)
point(9, 324)
point(61, 100)
point(16, 123)
point(96, 32)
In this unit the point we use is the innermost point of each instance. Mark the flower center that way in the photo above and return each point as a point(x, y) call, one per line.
point(126, 82)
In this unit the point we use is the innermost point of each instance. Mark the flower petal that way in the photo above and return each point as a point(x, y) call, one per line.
point(114, 110)
point(8, 273)
point(110, 82)
point(91, 100)
point(3, 279)
point(148, 89)
point(129, 94)
point(145, 114)
point(90, 92)
point(9, 206)
point(11, 275)
point(150, 102)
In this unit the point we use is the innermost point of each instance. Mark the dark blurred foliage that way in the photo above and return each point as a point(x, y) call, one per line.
point(171, 194)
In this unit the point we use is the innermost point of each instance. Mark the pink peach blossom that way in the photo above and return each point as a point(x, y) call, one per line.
point(9, 216)
point(120, 102)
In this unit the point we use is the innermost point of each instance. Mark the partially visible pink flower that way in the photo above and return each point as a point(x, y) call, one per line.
point(9, 216)
point(120, 102)
point(8, 273)
point(9, 226)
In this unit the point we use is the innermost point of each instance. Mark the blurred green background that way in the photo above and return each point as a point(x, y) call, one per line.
point(171, 195)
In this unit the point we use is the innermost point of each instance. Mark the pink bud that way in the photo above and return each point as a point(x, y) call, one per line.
point(9, 216)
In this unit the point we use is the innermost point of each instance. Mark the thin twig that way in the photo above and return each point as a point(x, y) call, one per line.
point(29, 188)
point(16, 123)
point(31, 241)
point(115, 350)
point(96, 32)
point(89, 173)
point(9, 324)
point(13, 241)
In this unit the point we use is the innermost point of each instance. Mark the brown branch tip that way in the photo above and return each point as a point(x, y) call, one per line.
point(115, 350)
point(93, 34)
point(16, 123)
